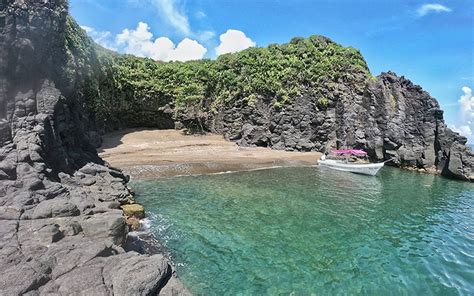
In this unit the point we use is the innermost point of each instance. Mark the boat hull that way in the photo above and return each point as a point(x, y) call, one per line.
point(366, 169)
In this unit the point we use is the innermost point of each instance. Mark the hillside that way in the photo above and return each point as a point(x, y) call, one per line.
point(310, 94)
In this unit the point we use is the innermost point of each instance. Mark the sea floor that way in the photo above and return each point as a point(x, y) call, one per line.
point(313, 231)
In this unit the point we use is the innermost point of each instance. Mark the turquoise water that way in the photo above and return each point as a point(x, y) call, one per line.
point(304, 231)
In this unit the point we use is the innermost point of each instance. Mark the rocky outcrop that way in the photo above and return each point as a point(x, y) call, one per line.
point(61, 228)
point(387, 116)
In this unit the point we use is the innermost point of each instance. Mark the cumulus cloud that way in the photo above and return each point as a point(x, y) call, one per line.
point(172, 14)
point(233, 41)
point(103, 38)
point(140, 42)
point(431, 7)
point(463, 130)
point(187, 50)
point(466, 104)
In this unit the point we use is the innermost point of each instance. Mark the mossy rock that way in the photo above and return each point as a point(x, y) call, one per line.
point(134, 210)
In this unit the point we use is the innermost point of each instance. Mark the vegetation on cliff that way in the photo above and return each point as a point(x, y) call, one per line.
point(131, 91)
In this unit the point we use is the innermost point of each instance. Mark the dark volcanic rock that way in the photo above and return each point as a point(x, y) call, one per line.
point(60, 229)
point(389, 117)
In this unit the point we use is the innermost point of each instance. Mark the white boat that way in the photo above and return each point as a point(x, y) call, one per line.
point(358, 168)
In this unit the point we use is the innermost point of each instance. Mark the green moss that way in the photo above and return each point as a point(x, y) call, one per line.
point(323, 102)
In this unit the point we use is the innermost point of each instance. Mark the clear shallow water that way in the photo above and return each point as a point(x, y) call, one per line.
point(307, 230)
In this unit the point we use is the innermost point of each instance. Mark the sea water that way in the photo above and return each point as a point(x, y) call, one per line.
point(310, 231)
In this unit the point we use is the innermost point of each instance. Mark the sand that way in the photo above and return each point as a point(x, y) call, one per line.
point(146, 153)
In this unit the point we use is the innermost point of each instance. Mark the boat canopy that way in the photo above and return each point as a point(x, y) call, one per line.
point(350, 151)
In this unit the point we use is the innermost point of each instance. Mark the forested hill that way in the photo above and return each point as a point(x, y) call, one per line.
point(276, 74)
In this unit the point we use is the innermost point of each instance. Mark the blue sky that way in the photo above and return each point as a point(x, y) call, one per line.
point(429, 42)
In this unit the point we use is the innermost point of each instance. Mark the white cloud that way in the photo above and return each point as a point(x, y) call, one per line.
point(463, 130)
point(466, 104)
point(103, 38)
point(200, 14)
point(205, 35)
point(140, 42)
point(233, 41)
point(431, 7)
point(188, 50)
point(173, 15)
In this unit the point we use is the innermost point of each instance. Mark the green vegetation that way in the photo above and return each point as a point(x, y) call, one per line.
point(324, 102)
point(131, 90)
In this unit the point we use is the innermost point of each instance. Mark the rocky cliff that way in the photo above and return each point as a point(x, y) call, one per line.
point(389, 117)
point(310, 94)
point(61, 228)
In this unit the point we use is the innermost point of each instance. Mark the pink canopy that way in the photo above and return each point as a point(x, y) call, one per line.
point(349, 151)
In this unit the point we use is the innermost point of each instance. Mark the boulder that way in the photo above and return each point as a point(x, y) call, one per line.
point(55, 208)
point(106, 225)
point(134, 210)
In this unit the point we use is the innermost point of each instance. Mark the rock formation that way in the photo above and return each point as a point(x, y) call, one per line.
point(61, 229)
point(389, 117)
point(310, 94)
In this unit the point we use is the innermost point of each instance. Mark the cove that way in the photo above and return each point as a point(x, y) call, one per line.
point(313, 231)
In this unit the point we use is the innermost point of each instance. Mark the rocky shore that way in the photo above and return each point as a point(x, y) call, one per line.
point(62, 231)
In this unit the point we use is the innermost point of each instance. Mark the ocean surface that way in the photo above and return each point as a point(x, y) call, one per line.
point(311, 231)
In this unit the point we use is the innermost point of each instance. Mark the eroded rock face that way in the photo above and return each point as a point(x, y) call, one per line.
point(61, 228)
point(389, 117)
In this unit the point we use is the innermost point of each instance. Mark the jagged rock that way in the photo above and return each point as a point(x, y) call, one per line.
point(390, 118)
point(60, 232)
point(174, 287)
point(60, 224)
point(134, 223)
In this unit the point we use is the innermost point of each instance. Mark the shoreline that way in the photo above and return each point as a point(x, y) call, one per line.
point(150, 153)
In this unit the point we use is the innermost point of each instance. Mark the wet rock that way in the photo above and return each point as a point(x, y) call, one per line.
point(134, 223)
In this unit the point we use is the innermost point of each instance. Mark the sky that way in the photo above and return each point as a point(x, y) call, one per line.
point(429, 42)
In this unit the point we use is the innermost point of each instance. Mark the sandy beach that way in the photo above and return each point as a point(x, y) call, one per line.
point(147, 153)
